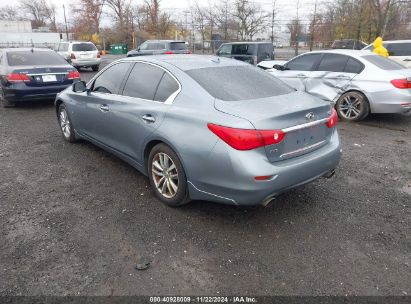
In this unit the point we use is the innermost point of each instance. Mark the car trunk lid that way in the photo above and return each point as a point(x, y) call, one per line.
point(302, 117)
point(45, 75)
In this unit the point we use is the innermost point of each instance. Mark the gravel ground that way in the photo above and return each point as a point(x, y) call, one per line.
point(77, 220)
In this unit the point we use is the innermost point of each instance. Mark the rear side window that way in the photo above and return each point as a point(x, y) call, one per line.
point(399, 49)
point(383, 63)
point(178, 46)
point(353, 66)
point(83, 47)
point(232, 83)
point(143, 81)
point(166, 87)
point(303, 63)
point(35, 58)
point(333, 63)
point(243, 49)
point(161, 46)
point(110, 80)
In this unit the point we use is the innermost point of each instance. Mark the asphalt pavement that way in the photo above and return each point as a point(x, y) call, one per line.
point(75, 220)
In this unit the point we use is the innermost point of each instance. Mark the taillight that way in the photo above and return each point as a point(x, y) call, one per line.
point(246, 139)
point(98, 55)
point(401, 83)
point(333, 119)
point(72, 56)
point(188, 52)
point(17, 77)
point(168, 52)
point(73, 75)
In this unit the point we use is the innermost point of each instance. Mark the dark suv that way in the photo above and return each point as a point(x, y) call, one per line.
point(158, 47)
point(251, 52)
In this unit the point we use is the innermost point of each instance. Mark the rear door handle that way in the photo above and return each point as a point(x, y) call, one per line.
point(343, 77)
point(301, 76)
point(148, 118)
point(104, 108)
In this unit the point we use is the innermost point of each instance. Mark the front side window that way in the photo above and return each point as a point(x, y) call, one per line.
point(243, 49)
point(143, 81)
point(233, 83)
point(303, 63)
point(333, 63)
point(225, 49)
point(110, 80)
point(161, 46)
point(264, 51)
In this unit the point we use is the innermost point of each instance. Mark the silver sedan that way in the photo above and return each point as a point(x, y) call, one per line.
point(358, 82)
point(204, 128)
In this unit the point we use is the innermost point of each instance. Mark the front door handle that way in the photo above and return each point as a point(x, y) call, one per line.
point(149, 118)
point(301, 76)
point(343, 77)
point(104, 108)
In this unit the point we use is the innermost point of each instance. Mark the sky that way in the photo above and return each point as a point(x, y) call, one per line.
point(285, 9)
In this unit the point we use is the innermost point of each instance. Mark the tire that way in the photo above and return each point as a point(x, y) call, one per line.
point(95, 68)
point(66, 126)
point(352, 106)
point(171, 189)
point(5, 103)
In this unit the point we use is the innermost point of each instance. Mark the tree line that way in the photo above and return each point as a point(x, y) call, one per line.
point(132, 21)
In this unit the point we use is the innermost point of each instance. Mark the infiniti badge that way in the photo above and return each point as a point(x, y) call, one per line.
point(310, 116)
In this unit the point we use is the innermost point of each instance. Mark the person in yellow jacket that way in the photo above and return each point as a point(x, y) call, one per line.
point(379, 48)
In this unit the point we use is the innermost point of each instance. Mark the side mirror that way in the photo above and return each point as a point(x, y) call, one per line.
point(278, 67)
point(138, 49)
point(79, 87)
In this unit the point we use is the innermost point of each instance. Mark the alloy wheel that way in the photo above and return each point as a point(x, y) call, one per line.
point(351, 107)
point(64, 123)
point(165, 175)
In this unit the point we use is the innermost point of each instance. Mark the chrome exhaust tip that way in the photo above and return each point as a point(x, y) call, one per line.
point(329, 174)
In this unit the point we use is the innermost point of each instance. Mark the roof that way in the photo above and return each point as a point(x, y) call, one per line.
point(345, 52)
point(189, 62)
point(165, 41)
point(396, 41)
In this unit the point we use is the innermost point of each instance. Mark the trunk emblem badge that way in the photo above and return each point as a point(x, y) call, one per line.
point(310, 116)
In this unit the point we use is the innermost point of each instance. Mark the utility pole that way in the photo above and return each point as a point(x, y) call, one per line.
point(272, 22)
point(312, 27)
point(297, 30)
point(65, 22)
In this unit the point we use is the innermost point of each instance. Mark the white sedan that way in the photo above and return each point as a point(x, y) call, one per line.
point(358, 82)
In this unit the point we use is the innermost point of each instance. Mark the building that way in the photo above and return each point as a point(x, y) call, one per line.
point(15, 26)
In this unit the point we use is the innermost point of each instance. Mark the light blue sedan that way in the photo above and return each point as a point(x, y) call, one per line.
point(204, 128)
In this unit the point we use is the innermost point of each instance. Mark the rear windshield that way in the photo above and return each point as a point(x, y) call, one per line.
point(178, 46)
point(399, 49)
point(243, 49)
point(35, 58)
point(232, 83)
point(83, 47)
point(383, 63)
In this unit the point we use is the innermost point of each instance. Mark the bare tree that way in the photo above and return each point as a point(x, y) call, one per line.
point(199, 18)
point(34, 10)
point(121, 12)
point(9, 12)
point(250, 17)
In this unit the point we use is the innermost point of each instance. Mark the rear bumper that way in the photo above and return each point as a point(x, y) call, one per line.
point(32, 93)
point(230, 178)
point(396, 101)
point(85, 63)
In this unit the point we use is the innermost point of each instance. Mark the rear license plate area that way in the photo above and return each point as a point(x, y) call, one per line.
point(49, 78)
point(300, 140)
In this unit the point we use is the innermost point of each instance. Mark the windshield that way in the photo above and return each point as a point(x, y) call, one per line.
point(35, 58)
point(232, 83)
point(83, 47)
point(383, 63)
